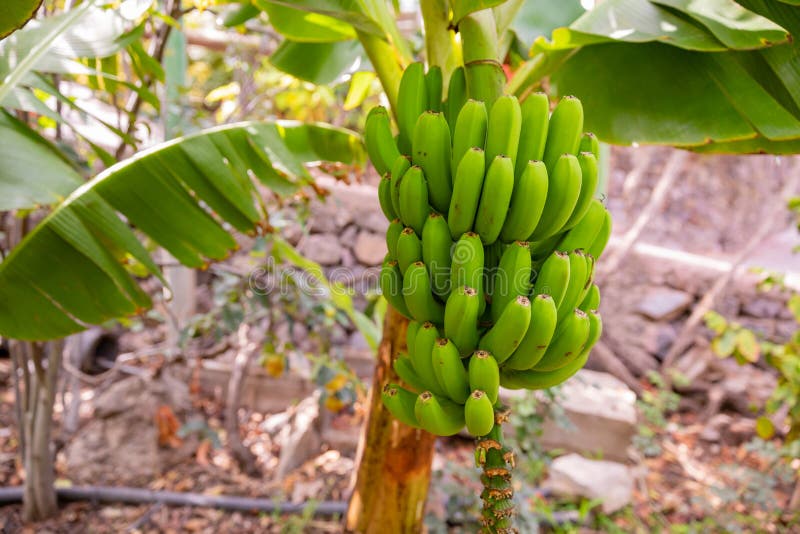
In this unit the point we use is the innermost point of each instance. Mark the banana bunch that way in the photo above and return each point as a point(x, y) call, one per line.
point(493, 237)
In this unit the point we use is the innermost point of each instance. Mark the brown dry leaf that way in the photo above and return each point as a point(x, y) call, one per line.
point(168, 425)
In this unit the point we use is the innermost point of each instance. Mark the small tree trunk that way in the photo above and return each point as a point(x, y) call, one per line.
point(247, 349)
point(394, 460)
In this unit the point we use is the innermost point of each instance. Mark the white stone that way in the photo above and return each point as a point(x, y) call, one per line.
point(664, 303)
point(573, 475)
point(322, 248)
point(370, 249)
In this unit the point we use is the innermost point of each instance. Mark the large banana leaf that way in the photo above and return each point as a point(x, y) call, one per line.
point(188, 195)
point(710, 76)
point(15, 14)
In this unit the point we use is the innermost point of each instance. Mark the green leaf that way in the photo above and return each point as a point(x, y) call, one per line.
point(747, 345)
point(724, 345)
point(715, 322)
point(359, 89)
point(33, 171)
point(354, 12)
point(306, 26)
point(318, 63)
point(764, 427)
point(540, 17)
point(187, 195)
point(794, 306)
point(462, 8)
point(240, 14)
point(15, 14)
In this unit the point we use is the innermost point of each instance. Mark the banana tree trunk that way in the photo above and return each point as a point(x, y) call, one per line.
point(394, 460)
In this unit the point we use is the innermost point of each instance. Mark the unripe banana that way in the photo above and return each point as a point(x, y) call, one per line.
point(527, 202)
point(479, 413)
point(599, 244)
point(405, 370)
point(484, 374)
point(449, 370)
point(435, 86)
point(533, 135)
point(414, 207)
point(399, 168)
point(423, 357)
point(564, 133)
point(409, 249)
point(589, 176)
point(590, 143)
point(438, 415)
point(584, 233)
point(532, 379)
point(378, 137)
point(470, 130)
point(595, 330)
point(513, 277)
point(568, 342)
point(578, 276)
point(431, 151)
point(400, 402)
point(418, 295)
point(467, 188)
point(393, 232)
point(461, 319)
point(544, 318)
point(466, 268)
point(592, 299)
point(509, 330)
point(436, 246)
point(411, 336)
point(553, 277)
point(563, 190)
point(505, 123)
point(412, 101)
point(392, 287)
point(495, 199)
point(456, 96)
point(385, 196)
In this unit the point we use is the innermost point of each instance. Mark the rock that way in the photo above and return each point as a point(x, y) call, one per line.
point(370, 249)
point(273, 423)
point(348, 236)
point(657, 338)
point(348, 261)
point(303, 440)
point(374, 222)
point(358, 342)
point(573, 475)
point(329, 216)
point(322, 248)
point(664, 304)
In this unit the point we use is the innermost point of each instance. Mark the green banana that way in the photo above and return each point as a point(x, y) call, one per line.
point(456, 97)
point(414, 207)
point(568, 342)
point(599, 244)
point(479, 413)
point(434, 84)
point(436, 245)
point(391, 283)
point(418, 295)
point(495, 199)
point(532, 379)
point(470, 130)
point(423, 357)
point(412, 101)
point(381, 147)
point(590, 143)
point(578, 275)
point(466, 268)
point(412, 329)
point(503, 132)
point(553, 277)
point(588, 164)
point(563, 190)
point(533, 134)
point(385, 196)
point(564, 133)
point(467, 187)
point(527, 202)
point(399, 168)
point(449, 371)
point(405, 370)
point(509, 330)
point(392, 235)
point(438, 415)
point(544, 317)
point(461, 313)
point(431, 152)
point(400, 402)
point(583, 234)
point(592, 299)
point(484, 374)
point(513, 277)
point(595, 330)
point(409, 249)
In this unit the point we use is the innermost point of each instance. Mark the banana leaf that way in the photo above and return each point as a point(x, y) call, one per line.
point(188, 195)
point(15, 14)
